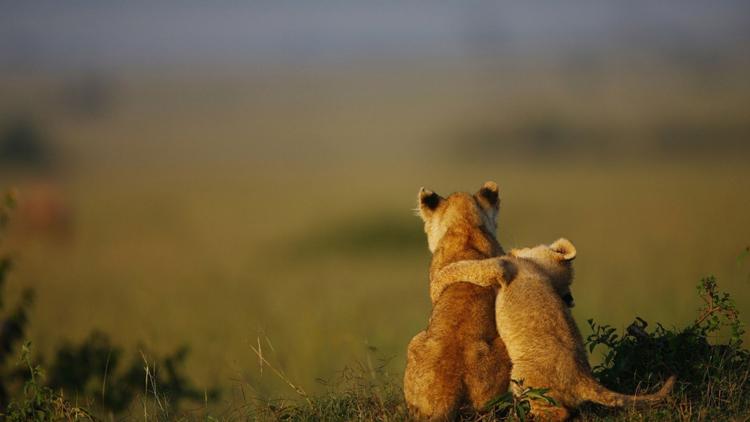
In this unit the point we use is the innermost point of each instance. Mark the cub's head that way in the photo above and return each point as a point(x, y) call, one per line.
point(459, 210)
point(554, 261)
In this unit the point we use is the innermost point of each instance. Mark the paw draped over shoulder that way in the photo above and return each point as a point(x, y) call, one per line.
point(482, 272)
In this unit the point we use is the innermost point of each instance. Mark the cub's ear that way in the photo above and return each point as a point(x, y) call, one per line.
point(428, 201)
point(508, 270)
point(490, 194)
point(565, 248)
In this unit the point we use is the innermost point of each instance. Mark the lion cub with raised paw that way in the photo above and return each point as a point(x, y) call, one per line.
point(538, 329)
point(459, 359)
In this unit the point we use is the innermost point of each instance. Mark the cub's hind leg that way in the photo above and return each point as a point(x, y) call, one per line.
point(549, 413)
point(488, 372)
point(432, 386)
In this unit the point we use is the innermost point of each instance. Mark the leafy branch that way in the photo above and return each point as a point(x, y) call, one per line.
point(518, 405)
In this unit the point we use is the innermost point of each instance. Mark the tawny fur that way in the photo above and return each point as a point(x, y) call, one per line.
point(542, 339)
point(459, 359)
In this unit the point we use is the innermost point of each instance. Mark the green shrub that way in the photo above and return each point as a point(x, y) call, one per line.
point(95, 369)
point(12, 324)
point(22, 142)
point(39, 402)
point(517, 407)
point(708, 356)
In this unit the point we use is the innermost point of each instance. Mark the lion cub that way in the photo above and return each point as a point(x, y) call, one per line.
point(459, 358)
point(541, 337)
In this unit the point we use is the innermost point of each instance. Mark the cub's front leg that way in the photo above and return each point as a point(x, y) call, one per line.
point(482, 272)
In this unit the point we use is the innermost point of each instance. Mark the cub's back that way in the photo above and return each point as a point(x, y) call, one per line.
point(535, 322)
point(465, 310)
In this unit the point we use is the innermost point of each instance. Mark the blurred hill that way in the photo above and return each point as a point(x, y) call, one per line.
point(606, 78)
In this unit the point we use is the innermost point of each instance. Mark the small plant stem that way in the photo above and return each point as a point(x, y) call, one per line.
point(283, 377)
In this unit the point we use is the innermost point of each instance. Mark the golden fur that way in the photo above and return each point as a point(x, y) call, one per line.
point(459, 359)
point(542, 339)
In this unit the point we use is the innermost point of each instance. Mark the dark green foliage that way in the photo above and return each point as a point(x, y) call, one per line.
point(13, 323)
point(707, 356)
point(22, 142)
point(39, 402)
point(96, 369)
point(517, 407)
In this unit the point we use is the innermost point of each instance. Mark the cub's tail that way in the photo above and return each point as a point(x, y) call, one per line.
point(596, 393)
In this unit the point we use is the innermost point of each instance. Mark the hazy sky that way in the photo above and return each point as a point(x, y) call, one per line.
point(102, 33)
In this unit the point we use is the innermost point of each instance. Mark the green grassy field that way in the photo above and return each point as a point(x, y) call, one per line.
point(281, 218)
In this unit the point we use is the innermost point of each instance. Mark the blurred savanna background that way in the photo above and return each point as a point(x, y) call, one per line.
point(241, 175)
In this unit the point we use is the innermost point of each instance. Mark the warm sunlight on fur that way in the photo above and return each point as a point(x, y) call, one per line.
point(459, 358)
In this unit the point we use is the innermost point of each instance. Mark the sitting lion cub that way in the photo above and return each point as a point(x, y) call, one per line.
point(541, 337)
point(459, 359)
